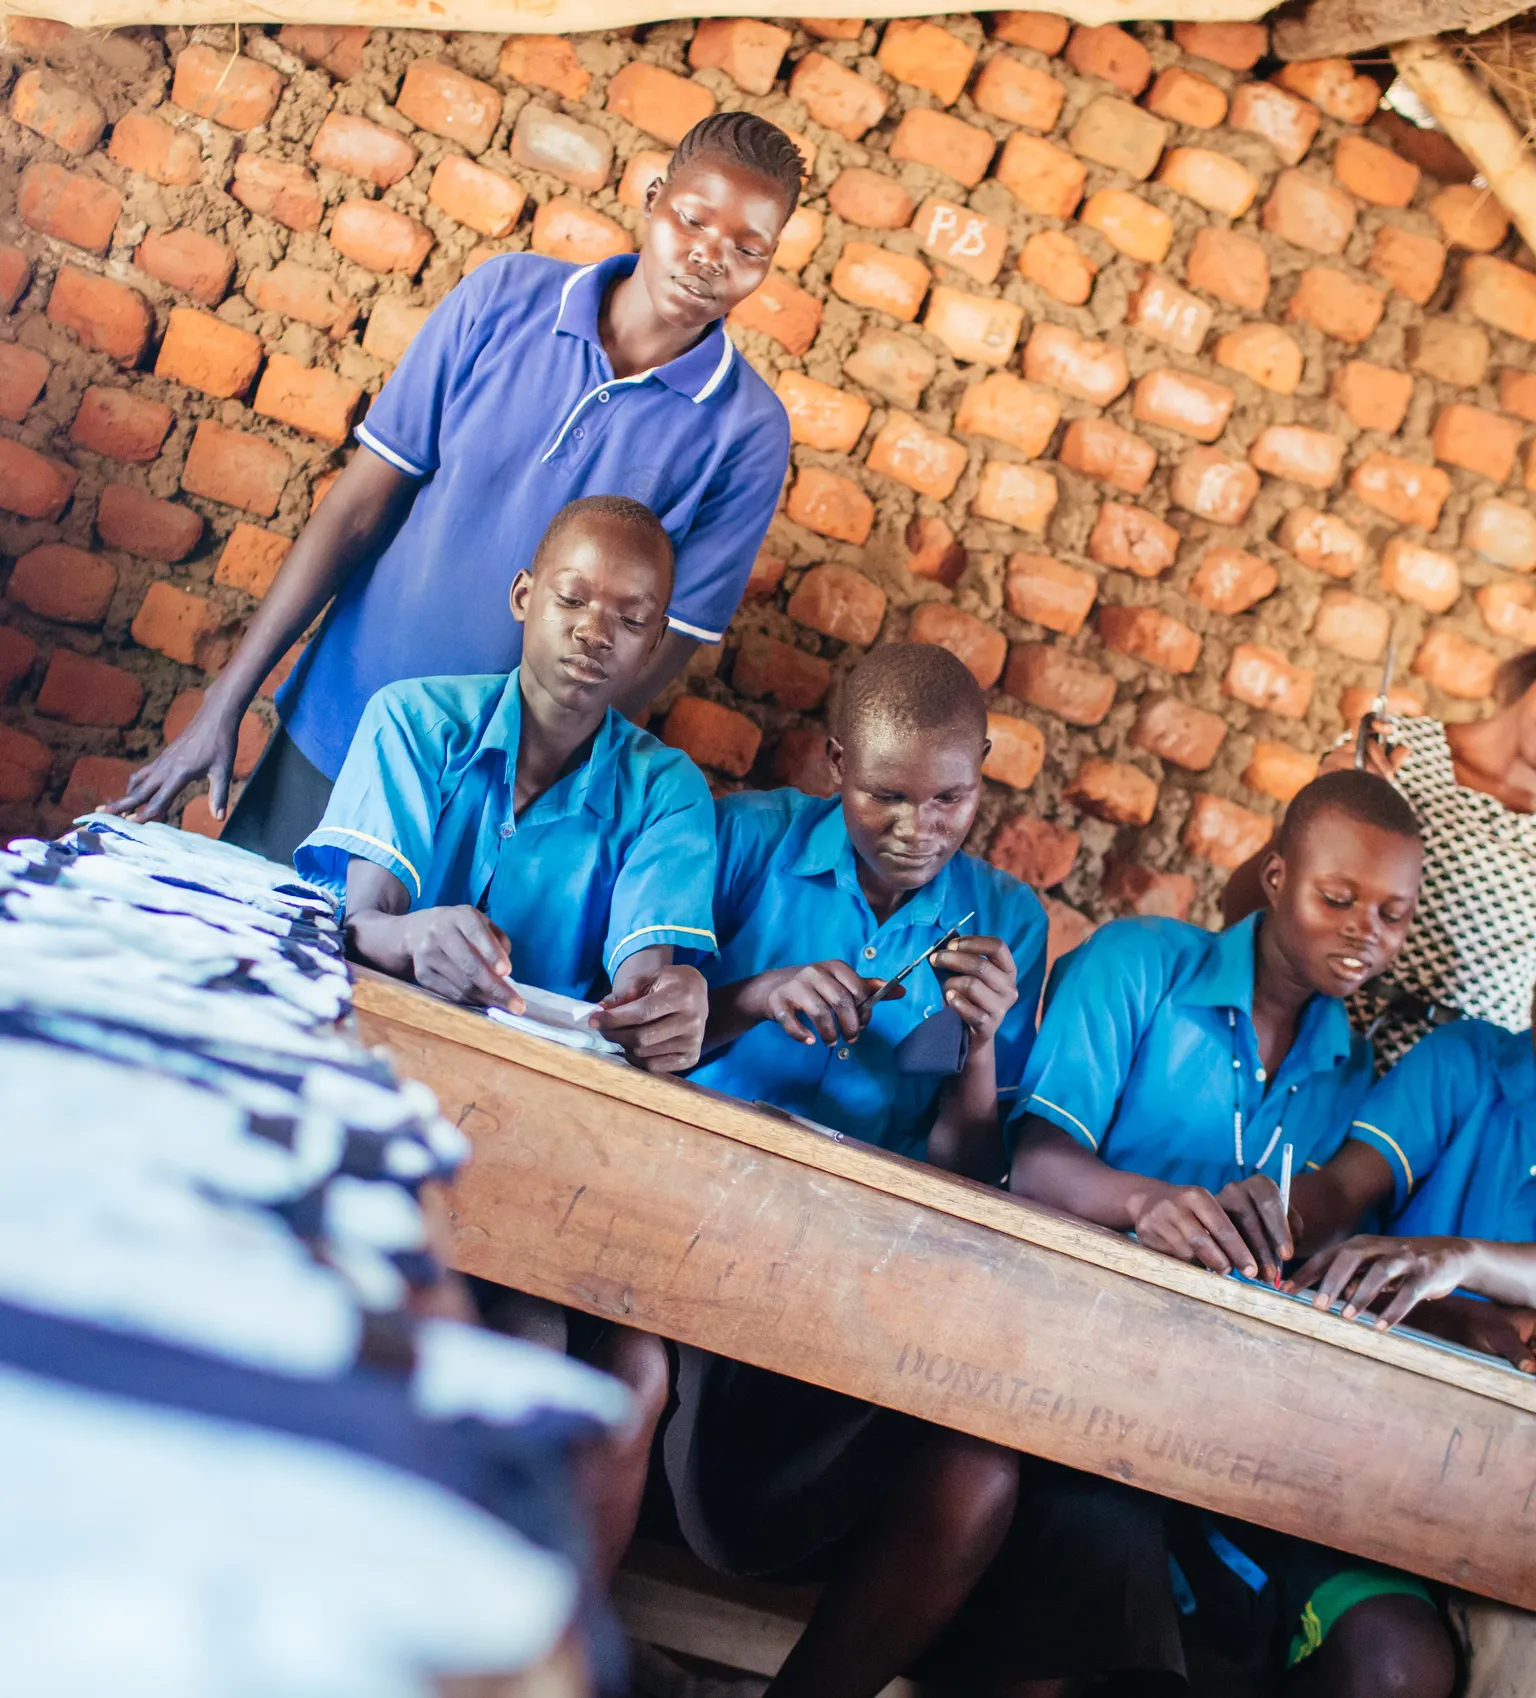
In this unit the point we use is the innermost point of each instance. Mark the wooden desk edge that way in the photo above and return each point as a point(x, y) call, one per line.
point(389, 1000)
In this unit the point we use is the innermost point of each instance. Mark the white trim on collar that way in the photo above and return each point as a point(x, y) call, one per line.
point(717, 377)
point(569, 284)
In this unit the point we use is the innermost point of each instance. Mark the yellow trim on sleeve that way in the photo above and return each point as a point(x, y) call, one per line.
point(690, 931)
point(1386, 1138)
point(1037, 1098)
point(378, 843)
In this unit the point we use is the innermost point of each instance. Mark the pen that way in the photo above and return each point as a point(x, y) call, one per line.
point(1287, 1154)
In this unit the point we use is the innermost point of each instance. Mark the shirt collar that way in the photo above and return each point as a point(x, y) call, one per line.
point(827, 849)
point(1225, 980)
point(698, 374)
point(593, 784)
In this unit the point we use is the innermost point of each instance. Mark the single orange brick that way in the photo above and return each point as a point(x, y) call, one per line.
point(230, 89)
point(1076, 365)
point(1210, 179)
point(912, 50)
point(357, 148)
point(1469, 218)
point(1374, 172)
point(781, 310)
point(895, 366)
point(1451, 353)
point(1352, 625)
point(203, 352)
point(1213, 486)
point(712, 735)
point(871, 276)
point(1176, 732)
point(1219, 831)
point(1264, 678)
point(1336, 304)
point(1044, 31)
point(1192, 406)
point(1133, 540)
point(1053, 261)
point(69, 206)
point(276, 189)
point(960, 150)
point(15, 275)
point(337, 48)
point(840, 603)
point(379, 238)
point(1061, 683)
point(1051, 594)
point(1323, 542)
point(1019, 94)
point(44, 103)
point(545, 61)
point(1503, 533)
point(182, 626)
point(1500, 294)
point(566, 228)
point(1100, 449)
point(308, 294)
point(1147, 634)
point(1230, 580)
point(1517, 393)
point(1229, 266)
point(1184, 97)
point(1309, 213)
point(119, 423)
point(1113, 791)
point(749, 51)
point(961, 238)
point(979, 646)
point(977, 329)
point(821, 416)
point(1285, 121)
point(1022, 496)
point(32, 484)
point(830, 505)
point(1413, 265)
point(472, 195)
point(1509, 610)
point(837, 98)
point(187, 260)
point(933, 553)
point(1462, 669)
point(1278, 770)
point(1042, 177)
point(655, 100)
point(1116, 134)
point(765, 577)
point(1374, 397)
point(1421, 575)
point(870, 199)
point(1264, 354)
point(799, 239)
point(1311, 457)
point(1239, 47)
point(23, 372)
point(1015, 758)
point(1004, 407)
point(1474, 438)
point(766, 667)
point(1168, 314)
point(924, 460)
point(833, 29)
point(1107, 52)
point(1404, 490)
point(251, 559)
point(1334, 86)
point(1133, 225)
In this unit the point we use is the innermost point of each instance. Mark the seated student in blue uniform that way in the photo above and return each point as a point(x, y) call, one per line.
point(517, 823)
point(818, 904)
point(1455, 1125)
point(1172, 1067)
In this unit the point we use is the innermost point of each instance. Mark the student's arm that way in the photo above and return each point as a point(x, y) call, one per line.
point(1417, 1270)
point(655, 1011)
point(819, 1000)
point(366, 502)
point(455, 952)
point(1328, 1203)
point(1184, 1221)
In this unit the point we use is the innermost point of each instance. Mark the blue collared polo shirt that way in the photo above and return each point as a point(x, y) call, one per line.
point(787, 893)
point(614, 857)
point(1456, 1121)
point(505, 407)
point(1147, 1054)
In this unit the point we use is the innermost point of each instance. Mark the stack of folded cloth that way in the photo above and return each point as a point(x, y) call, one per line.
point(233, 1458)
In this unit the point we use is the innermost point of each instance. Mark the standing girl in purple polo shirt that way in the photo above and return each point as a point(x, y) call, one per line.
point(533, 383)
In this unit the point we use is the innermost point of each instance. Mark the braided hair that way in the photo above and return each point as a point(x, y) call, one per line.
point(742, 138)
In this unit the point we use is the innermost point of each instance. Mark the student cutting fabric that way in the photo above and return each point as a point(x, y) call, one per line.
point(535, 382)
point(518, 823)
point(819, 905)
point(1172, 1067)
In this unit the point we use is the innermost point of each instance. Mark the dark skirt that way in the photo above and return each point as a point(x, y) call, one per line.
point(283, 801)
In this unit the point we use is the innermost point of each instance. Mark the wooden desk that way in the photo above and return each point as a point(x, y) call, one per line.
point(691, 1215)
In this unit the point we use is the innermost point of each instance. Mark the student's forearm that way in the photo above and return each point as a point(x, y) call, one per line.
point(735, 1009)
point(1504, 1272)
point(966, 1137)
point(365, 501)
point(641, 966)
point(673, 653)
point(1332, 1200)
point(377, 909)
point(1051, 1167)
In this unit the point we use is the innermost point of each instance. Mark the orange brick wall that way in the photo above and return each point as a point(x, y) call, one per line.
point(1158, 390)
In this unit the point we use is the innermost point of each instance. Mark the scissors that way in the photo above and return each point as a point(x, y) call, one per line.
point(890, 985)
point(1378, 707)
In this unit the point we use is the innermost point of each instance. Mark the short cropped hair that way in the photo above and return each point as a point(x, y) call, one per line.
point(742, 138)
point(618, 510)
point(1362, 796)
point(911, 688)
point(1514, 678)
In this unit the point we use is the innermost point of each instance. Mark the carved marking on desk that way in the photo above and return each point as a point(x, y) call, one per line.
point(576, 1197)
point(1452, 1445)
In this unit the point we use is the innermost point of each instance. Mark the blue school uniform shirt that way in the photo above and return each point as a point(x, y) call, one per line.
point(615, 857)
point(1147, 1053)
point(505, 407)
point(787, 893)
point(1456, 1121)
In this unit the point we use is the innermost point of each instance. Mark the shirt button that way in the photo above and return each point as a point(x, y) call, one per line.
point(869, 952)
point(1533, 1173)
point(1260, 1074)
point(507, 830)
point(602, 394)
point(578, 433)
point(842, 1054)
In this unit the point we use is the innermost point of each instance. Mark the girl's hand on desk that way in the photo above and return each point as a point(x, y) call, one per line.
point(984, 983)
point(824, 995)
point(1363, 1268)
point(458, 953)
point(1186, 1221)
point(658, 1018)
point(1253, 1206)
